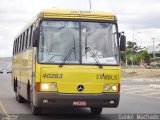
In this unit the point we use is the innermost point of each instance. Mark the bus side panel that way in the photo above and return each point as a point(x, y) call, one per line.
point(22, 70)
point(34, 79)
point(16, 69)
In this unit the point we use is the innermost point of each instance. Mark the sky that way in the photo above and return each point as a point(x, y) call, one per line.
point(139, 19)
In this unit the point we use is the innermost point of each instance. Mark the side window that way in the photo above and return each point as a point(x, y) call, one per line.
point(18, 44)
point(21, 42)
point(14, 48)
point(26, 39)
point(30, 37)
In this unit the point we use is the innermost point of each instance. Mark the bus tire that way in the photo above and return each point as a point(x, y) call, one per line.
point(35, 110)
point(15, 85)
point(19, 98)
point(96, 110)
point(28, 93)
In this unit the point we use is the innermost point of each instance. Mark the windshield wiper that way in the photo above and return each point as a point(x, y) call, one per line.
point(88, 49)
point(53, 57)
point(67, 56)
point(69, 53)
point(91, 52)
point(86, 46)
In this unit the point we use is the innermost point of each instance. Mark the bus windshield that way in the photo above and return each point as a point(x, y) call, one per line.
point(75, 42)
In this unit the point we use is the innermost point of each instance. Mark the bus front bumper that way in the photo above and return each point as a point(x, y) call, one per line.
point(50, 99)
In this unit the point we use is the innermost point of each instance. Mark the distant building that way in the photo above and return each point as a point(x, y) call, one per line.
point(156, 49)
point(6, 63)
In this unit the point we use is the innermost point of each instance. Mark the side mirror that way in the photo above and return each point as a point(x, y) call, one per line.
point(122, 42)
point(35, 40)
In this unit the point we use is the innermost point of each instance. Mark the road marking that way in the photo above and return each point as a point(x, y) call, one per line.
point(141, 90)
point(151, 93)
point(134, 92)
point(133, 86)
point(4, 110)
point(150, 96)
point(135, 89)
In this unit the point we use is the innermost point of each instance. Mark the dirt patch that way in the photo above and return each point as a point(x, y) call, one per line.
point(141, 73)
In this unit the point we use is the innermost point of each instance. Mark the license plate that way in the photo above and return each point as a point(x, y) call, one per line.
point(79, 103)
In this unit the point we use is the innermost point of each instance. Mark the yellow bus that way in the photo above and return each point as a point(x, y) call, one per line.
point(68, 58)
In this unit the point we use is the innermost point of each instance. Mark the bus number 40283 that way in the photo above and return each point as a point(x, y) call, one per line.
point(52, 75)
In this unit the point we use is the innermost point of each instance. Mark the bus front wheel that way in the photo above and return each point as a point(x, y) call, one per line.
point(96, 110)
point(35, 110)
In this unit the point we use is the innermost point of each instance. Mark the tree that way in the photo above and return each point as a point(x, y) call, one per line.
point(134, 54)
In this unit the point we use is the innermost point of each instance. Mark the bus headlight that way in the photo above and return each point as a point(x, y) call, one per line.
point(48, 87)
point(52, 86)
point(107, 88)
point(44, 86)
point(114, 88)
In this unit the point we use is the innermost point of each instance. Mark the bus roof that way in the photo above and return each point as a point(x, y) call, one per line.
point(71, 14)
point(77, 14)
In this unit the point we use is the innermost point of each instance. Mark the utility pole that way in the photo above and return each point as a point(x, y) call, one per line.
point(153, 48)
point(132, 48)
point(90, 4)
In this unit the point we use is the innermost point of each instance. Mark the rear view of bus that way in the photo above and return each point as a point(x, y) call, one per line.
point(76, 60)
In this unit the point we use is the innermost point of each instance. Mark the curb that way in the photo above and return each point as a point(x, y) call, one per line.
point(133, 79)
point(154, 86)
point(142, 79)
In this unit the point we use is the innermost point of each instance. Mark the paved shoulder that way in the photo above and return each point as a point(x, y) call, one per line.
point(142, 90)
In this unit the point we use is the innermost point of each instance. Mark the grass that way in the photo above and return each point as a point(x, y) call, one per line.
point(140, 73)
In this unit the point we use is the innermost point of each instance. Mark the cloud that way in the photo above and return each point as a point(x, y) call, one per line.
point(142, 14)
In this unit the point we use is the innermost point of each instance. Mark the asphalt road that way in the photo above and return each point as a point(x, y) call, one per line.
point(136, 97)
